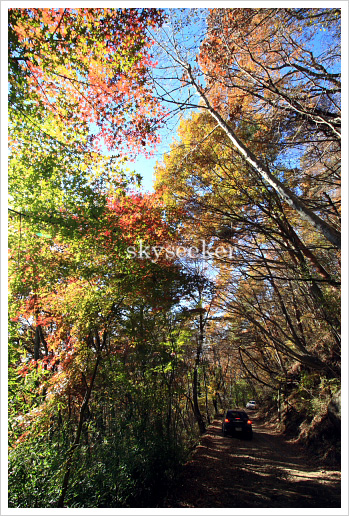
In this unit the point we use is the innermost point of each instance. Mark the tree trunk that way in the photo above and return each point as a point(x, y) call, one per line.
point(76, 443)
point(206, 398)
point(37, 343)
point(305, 213)
point(196, 408)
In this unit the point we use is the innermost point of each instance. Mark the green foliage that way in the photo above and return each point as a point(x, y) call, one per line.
point(126, 470)
point(35, 473)
point(131, 464)
point(240, 393)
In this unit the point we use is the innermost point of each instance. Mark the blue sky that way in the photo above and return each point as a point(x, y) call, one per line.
point(191, 34)
point(144, 167)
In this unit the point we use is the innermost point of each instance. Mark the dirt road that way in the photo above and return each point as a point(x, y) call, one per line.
point(265, 472)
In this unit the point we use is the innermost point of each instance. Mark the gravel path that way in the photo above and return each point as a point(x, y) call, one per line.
point(265, 472)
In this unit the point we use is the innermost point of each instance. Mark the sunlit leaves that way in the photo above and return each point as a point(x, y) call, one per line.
point(85, 67)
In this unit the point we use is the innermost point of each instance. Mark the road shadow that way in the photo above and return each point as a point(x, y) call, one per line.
point(265, 472)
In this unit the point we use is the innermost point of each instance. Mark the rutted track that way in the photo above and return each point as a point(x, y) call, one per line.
point(265, 472)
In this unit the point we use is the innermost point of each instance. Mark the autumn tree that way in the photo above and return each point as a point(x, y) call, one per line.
point(77, 88)
point(90, 305)
point(215, 79)
point(259, 244)
point(78, 83)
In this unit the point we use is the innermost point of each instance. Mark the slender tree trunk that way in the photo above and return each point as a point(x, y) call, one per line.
point(37, 343)
point(215, 404)
point(279, 405)
point(196, 408)
point(305, 213)
point(76, 443)
point(206, 397)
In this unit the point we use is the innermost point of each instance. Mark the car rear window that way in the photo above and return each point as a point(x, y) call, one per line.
point(235, 413)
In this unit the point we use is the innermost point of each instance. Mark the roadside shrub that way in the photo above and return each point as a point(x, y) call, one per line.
point(131, 468)
point(35, 473)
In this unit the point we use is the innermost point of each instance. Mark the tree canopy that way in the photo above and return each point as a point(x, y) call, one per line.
point(135, 318)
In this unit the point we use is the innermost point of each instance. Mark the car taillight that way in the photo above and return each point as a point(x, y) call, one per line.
point(249, 422)
point(237, 418)
point(226, 421)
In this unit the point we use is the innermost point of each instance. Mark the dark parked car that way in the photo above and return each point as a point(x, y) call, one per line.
point(237, 424)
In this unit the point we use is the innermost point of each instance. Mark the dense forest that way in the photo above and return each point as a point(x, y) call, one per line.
point(135, 318)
